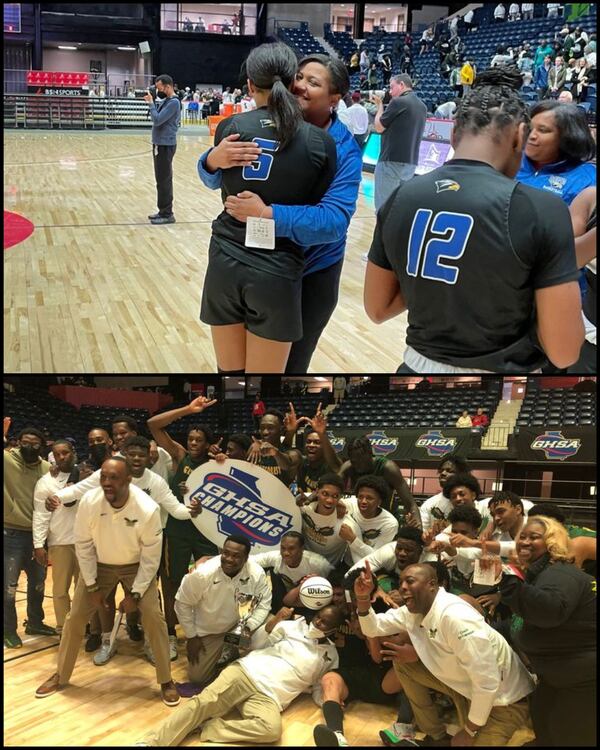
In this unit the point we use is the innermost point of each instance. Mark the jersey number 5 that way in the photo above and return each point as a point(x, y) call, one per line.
point(261, 168)
point(451, 247)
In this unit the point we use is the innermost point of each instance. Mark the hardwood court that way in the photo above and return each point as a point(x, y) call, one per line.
point(115, 705)
point(97, 288)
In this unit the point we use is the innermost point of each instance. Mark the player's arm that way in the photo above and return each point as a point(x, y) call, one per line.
point(560, 326)
point(393, 476)
point(377, 124)
point(585, 241)
point(157, 425)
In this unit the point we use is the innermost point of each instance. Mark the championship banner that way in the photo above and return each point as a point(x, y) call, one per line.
point(575, 444)
point(238, 497)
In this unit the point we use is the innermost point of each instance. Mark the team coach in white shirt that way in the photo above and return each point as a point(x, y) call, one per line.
point(457, 649)
point(118, 538)
point(206, 607)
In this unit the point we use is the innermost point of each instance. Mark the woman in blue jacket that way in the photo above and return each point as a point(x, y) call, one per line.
point(321, 229)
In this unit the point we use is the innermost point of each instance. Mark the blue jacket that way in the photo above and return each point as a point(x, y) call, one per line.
point(166, 116)
point(321, 229)
point(564, 178)
point(540, 79)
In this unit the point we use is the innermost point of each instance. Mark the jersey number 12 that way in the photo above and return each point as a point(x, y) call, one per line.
point(451, 247)
point(261, 168)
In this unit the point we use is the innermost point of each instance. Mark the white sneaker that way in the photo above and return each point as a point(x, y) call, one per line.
point(326, 737)
point(173, 647)
point(105, 653)
point(397, 733)
point(148, 653)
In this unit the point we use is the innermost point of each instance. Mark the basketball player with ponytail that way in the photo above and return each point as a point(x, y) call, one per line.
point(252, 295)
point(484, 265)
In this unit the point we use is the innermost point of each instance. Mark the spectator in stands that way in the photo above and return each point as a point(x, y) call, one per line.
point(590, 46)
point(354, 66)
point(386, 68)
point(454, 80)
point(525, 66)
point(527, 10)
point(427, 40)
point(406, 62)
point(187, 24)
point(565, 97)
point(464, 420)
point(581, 39)
point(513, 12)
point(468, 20)
point(23, 467)
point(365, 63)
point(571, 71)
point(543, 50)
point(467, 76)
point(258, 410)
point(552, 9)
point(499, 13)
point(401, 126)
point(558, 151)
point(540, 78)
point(454, 27)
point(201, 25)
point(373, 77)
point(557, 603)
point(480, 419)
point(502, 57)
point(459, 654)
point(443, 46)
point(557, 77)
point(380, 54)
point(359, 119)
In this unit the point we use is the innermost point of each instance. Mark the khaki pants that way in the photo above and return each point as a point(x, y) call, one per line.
point(204, 669)
point(261, 720)
point(65, 569)
point(82, 609)
point(502, 723)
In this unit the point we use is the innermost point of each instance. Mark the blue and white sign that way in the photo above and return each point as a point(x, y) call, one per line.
point(240, 498)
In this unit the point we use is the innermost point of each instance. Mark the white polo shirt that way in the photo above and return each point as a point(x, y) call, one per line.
point(205, 602)
point(58, 526)
point(291, 664)
point(131, 534)
point(311, 562)
point(454, 642)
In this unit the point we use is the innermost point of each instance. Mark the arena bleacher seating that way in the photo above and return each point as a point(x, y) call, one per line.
point(300, 40)
point(557, 407)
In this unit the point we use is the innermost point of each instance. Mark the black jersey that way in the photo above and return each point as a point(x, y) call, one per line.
point(590, 300)
point(470, 247)
point(309, 474)
point(299, 175)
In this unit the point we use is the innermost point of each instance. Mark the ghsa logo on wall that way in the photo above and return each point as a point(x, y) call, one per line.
point(556, 446)
point(338, 443)
point(239, 498)
point(435, 443)
point(382, 444)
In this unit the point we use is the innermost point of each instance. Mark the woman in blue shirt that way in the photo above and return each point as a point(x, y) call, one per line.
point(321, 229)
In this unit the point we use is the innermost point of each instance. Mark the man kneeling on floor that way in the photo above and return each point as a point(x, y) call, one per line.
point(118, 538)
point(261, 685)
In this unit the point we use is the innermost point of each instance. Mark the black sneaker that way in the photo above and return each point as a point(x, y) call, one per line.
point(135, 633)
point(93, 643)
point(163, 220)
point(41, 629)
point(153, 216)
point(326, 737)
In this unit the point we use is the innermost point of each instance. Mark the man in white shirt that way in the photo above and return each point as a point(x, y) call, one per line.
point(320, 525)
point(457, 650)
point(359, 120)
point(377, 526)
point(553, 9)
point(445, 111)
point(118, 539)
point(437, 507)
point(260, 685)
point(289, 565)
point(468, 19)
point(339, 382)
point(513, 12)
point(57, 529)
point(206, 604)
point(527, 9)
point(454, 27)
point(499, 13)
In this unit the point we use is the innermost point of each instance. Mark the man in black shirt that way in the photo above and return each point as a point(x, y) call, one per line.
point(401, 126)
point(485, 266)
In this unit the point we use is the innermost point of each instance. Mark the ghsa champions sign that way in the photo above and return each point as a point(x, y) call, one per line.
point(239, 498)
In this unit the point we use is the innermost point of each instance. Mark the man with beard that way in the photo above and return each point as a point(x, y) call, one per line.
point(437, 507)
point(267, 452)
point(361, 461)
point(23, 467)
point(118, 539)
point(182, 538)
point(124, 427)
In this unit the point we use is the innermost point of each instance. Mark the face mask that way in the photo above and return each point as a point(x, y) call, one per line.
point(314, 632)
point(29, 454)
point(98, 453)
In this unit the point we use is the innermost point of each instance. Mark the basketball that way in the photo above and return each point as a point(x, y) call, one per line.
point(316, 592)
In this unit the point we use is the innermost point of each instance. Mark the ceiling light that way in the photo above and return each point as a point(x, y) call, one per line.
point(322, 380)
point(127, 49)
point(60, 46)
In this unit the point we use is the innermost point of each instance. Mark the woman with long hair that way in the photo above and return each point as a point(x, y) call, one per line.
point(253, 285)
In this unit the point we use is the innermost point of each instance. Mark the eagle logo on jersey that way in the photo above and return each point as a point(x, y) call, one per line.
point(441, 186)
point(130, 521)
point(556, 446)
point(338, 443)
point(371, 534)
point(382, 444)
point(435, 443)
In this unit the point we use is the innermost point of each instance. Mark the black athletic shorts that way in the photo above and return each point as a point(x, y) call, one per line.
point(270, 306)
point(364, 682)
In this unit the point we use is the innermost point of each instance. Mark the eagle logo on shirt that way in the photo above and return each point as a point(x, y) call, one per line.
point(130, 521)
point(147, 491)
point(557, 182)
point(432, 632)
point(442, 186)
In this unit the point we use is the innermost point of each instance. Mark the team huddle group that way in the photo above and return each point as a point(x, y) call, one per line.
point(472, 616)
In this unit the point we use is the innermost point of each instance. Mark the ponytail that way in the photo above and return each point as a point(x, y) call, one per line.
point(285, 112)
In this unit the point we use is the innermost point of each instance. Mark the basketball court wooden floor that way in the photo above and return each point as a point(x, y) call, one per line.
point(97, 288)
point(115, 705)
